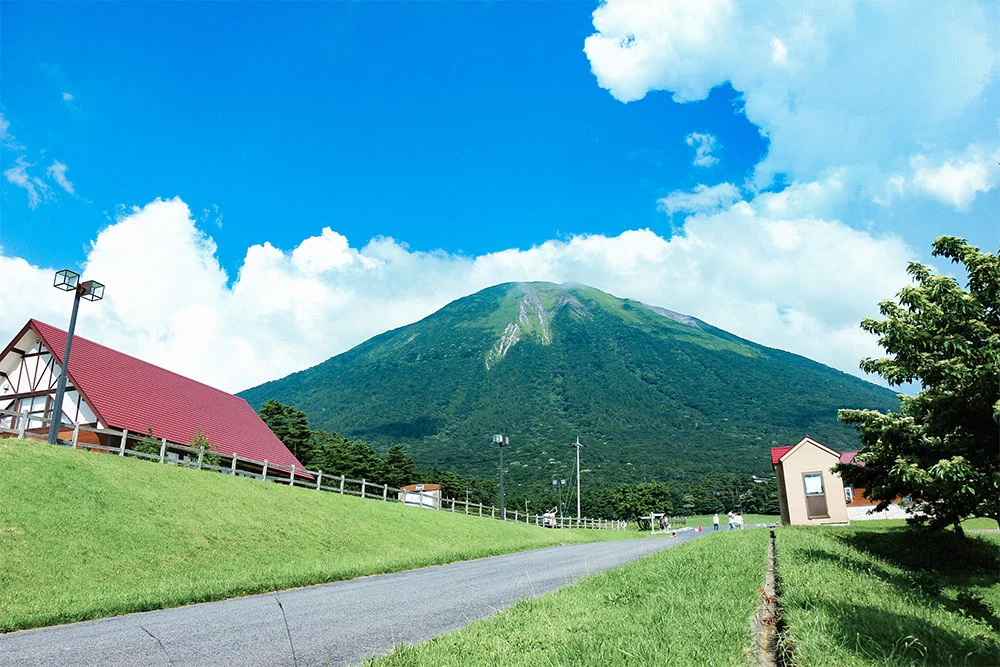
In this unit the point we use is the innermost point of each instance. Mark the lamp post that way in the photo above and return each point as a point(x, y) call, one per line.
point(500, 441)
point(577, 445)
point(91, 290)
point(559, 484)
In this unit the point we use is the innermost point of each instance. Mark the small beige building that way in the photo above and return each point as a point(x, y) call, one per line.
point(809, 493)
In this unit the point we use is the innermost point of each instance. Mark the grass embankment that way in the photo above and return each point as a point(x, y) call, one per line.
point(84, 535)
point(879, 594)
point(689, 605)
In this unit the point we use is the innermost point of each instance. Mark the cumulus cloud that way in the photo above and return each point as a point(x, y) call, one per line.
point(829, 84)
point(67, 97)
point(703, 199)
point(34, 187)
point(798, 284)
point(58, 173)
point(956, 181)
point(704, 145)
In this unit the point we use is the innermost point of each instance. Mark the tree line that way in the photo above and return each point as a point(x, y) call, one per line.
point(334, 454)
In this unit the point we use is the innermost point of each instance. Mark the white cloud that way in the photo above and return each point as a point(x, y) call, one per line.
point(35, 187)
point(67, 97)
point(830, 84)
point(704, 145)
point(957, 181)
point(703, 199)
point(58, 172)
point(800, 284)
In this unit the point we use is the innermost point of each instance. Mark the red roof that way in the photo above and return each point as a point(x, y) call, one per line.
point(778, 452)
point(848, 457)
point(128, 393)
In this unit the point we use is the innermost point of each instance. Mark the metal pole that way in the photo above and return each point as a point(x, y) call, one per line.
point(503, 510)
point(578, 445)
point(61, 386)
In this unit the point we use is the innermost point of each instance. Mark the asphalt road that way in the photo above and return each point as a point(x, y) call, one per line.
point(331, 624)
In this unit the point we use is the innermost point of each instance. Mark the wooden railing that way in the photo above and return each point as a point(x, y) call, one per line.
point(22, 425)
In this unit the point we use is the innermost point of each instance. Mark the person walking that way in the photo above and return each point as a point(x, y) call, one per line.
point(715, 521)
point(730, 515)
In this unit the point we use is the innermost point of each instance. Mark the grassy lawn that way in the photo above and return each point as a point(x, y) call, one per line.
point(705, 520)
point(689, 605)
point(979, 523)
point(879, 594)
point(85, 535)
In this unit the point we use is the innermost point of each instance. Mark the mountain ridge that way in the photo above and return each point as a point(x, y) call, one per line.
point(657, 393)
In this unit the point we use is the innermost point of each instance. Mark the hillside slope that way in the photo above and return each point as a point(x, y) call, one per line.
point(85, 535)
point(652, 393)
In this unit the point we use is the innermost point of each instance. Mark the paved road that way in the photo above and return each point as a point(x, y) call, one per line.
point(331, 624)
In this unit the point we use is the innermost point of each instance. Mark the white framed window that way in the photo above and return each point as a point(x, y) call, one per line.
point(813, 482)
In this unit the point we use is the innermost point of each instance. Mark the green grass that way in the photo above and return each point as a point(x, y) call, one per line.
point(689, 605)
point(879, 594)
point(705, 520)
point(84, 535)
point(979, 523)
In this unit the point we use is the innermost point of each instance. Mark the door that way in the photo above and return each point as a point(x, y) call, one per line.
point(815, 496)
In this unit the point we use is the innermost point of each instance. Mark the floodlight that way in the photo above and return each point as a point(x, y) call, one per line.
point(66, 280)
point(92, 290)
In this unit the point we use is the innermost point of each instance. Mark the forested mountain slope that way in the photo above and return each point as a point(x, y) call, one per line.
point(652, 393)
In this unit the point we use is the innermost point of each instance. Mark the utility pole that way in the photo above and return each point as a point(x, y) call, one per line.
point(501, 440)
point(577, 445)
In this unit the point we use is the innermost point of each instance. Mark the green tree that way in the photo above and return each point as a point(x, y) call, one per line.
point(336, 455)
point(400, 468)
point(941, 449)
point(211, 456)
point(148, 444)
point(291, 426)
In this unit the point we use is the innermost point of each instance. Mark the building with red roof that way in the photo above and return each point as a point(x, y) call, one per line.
point(110, 390)
point(810, 493)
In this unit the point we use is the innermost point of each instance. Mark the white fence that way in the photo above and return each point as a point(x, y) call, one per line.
point(23, 425)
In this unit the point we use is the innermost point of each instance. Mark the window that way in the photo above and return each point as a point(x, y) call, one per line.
point(813, 482)
point(849, 494)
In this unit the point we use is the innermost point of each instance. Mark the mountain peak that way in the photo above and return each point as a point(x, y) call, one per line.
point(533, 318)
point(653, 392)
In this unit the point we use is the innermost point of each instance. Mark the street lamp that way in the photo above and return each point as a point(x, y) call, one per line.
point(559, 484)
point(91, 290)
point(500, 441)
point(577, 445)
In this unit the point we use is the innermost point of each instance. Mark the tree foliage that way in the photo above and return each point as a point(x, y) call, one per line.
point(942, 449)
point(211, 452)
point(290, 425)
point(148, 444)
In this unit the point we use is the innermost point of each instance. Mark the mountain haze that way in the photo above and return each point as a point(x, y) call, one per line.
point(651, 393)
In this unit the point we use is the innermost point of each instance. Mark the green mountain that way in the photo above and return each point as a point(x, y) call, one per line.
point(651, 393)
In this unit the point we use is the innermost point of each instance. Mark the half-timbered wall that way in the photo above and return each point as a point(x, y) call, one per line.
point(31, 386)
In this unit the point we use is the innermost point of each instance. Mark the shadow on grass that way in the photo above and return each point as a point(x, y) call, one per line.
point(934, 561)
point(887, 638)
point(935, 571)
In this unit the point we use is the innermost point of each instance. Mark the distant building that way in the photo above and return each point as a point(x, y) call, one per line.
point(110, 390)
point(810, 493)
point(421, 495)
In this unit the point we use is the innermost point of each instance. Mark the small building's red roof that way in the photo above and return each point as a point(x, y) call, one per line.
point(778, 452)
point(848, 457)
point(128, 393)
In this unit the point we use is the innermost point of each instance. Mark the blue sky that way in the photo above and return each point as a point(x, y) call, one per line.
point(420, 121)
point(284, 180)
